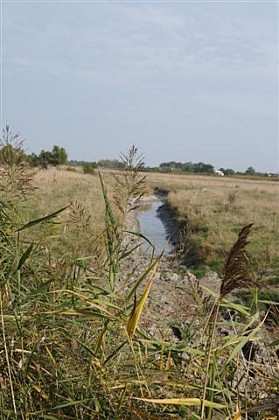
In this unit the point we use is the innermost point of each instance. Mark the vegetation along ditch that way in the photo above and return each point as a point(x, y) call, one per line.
point(91, 327)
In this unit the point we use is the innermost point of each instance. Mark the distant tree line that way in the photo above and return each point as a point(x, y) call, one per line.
point(202, 168)
point(57, 156)
point(11, 150)
point(187, 167)
point(103, 163)
point(16, 155)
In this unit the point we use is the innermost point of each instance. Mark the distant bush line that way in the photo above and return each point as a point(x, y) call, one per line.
point(59, 156)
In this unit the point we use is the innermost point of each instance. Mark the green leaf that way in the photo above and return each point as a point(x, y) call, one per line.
point(140, 235)
point(243, 310)
point(41, 220)
point(242, 340)
point(25, 256)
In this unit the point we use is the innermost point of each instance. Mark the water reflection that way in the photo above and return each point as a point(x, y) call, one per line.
point(152, 227)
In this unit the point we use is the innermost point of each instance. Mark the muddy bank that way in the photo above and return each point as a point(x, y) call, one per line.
point(175, 228)
point(177, 232)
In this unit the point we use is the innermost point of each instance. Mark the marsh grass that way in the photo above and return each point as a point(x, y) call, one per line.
point(73, 341)
point(214, 209)
point(16, 176)
point(130, 184)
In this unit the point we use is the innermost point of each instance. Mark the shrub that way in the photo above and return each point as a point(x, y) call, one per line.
point(89, 168)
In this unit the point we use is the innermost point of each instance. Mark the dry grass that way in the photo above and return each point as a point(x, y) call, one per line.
point(80, 231)
point(215, 209)
point(56, 188)
point(72, 345)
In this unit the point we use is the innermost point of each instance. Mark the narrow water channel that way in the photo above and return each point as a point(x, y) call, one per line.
point(152, 227)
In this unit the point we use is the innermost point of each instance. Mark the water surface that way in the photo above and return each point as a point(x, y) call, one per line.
point(152, 227)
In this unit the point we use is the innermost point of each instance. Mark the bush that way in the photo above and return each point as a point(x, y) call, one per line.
point(89, 168)
point(71, 169)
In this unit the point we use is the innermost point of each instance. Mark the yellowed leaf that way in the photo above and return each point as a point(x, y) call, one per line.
point(182, 401)
point(138, 306)
point(237, 415)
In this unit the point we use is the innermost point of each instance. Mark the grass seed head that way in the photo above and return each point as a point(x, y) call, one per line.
point(237, 272)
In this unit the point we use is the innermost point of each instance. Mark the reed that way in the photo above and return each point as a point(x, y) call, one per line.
point(16, 176)
point(76, 341)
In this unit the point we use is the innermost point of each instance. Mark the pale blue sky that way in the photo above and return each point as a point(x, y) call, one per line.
point(186, 81)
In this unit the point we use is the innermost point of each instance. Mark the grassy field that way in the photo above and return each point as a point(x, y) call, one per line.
point(79, 232)
point(214, 209)
point(73, 344)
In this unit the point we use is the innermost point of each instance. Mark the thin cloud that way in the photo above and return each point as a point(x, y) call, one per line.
point(195, 67)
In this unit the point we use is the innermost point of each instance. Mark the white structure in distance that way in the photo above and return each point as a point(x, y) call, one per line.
point(218, 172)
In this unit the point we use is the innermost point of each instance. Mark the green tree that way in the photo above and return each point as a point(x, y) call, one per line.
point(58, 156)
point(188, 167)
point(203, 167)
point(89, 168)
point(44, 158)
point(250, 171)
point(33, 160)
point(227, 171)
point(111, 163)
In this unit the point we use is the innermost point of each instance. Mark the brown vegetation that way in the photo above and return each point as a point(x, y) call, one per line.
point(214, 209)
point(81, 333)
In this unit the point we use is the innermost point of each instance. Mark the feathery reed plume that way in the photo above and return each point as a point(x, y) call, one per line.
point(78, 215)
point(236, 275)
point(236, 272)
point(16, 175)
point(130, 185)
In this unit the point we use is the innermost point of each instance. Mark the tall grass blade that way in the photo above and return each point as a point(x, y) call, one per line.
point(138, 306)
point(242, 341)
point(25, 256)
point(150, 270)
point(194, 402)
point(140, 235)
point(112, 237)
point(41, 219)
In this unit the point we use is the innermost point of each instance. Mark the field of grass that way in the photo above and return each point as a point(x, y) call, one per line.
point(214, 209)
point(78, 230)
point(73, 341)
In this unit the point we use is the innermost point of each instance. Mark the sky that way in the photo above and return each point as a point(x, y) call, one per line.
point(181, 80)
